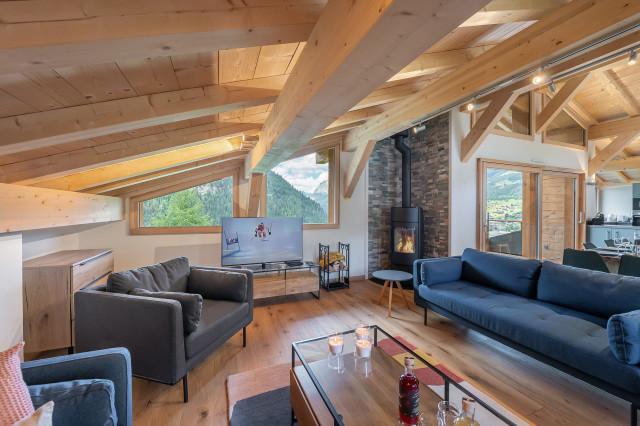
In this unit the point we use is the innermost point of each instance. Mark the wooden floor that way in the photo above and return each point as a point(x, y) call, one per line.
point(536, 391)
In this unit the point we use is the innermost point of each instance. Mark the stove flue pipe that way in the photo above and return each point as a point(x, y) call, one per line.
point(398, 139)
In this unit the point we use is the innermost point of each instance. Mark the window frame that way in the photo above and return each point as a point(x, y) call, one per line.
point(333, 186)
point(136, 213)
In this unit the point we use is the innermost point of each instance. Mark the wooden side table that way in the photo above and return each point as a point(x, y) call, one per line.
point(390, 277)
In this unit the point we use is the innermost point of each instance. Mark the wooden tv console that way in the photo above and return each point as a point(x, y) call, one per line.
point(278, 279)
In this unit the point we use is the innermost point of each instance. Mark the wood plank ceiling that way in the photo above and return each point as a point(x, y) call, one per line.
point(93, 93)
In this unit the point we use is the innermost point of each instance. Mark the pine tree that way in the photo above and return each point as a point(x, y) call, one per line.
point(184, 209)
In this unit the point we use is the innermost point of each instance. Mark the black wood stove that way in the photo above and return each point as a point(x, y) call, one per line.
point(405, 235)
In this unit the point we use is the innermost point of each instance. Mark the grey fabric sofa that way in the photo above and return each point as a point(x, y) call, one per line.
point(152, 328)
point(555, 313)
point(67, 380)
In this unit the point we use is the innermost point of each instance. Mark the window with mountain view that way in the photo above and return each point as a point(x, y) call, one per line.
point(203, 205)
point(302, 187)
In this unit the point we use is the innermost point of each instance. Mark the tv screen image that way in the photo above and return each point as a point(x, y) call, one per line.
point(249, 240)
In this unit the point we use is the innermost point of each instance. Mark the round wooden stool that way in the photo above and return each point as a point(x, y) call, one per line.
point(390, 277)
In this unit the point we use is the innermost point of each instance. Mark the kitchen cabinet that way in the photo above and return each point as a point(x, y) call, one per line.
point(597, 234)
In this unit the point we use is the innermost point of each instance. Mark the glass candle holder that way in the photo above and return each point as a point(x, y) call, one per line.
point(335, 362)
point(363, 348)
point(336, 343)
point(362, 331)
point(363, 367)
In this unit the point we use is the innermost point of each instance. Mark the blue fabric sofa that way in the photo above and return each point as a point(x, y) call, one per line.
point(87, 388)
point(555, 313)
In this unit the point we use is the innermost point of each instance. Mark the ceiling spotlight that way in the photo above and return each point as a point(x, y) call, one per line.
point(419, 128)
point(537, 79)
point(633, 58)
point(552, 87)
point(472, 106)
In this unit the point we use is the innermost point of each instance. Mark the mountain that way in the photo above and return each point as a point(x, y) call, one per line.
point(504, 185)
point(284, 200)
point(320, 195)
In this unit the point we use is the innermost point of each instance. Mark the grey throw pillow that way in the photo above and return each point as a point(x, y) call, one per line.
point(191, 305)
point(178, 273)
point(218, 285)
point(152, 278)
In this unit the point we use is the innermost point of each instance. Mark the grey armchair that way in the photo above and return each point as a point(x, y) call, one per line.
point(152, 328)
point(110, 364)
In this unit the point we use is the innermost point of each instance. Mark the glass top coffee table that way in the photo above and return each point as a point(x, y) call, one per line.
point(326, 390)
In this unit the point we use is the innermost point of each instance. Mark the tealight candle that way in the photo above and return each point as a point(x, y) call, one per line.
point(336, 343)
point(362, 333)
point(363, 349)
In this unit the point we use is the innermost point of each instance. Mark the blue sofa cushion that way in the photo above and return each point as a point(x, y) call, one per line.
point(440, 270)
point(573, 338)
point(596, 293)
point(623, 331)
point(513, 275)
point(78, 402)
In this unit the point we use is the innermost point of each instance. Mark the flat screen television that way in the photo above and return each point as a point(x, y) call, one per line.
point(250, 240)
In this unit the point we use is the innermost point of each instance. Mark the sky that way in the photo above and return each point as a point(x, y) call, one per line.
point(303, 172)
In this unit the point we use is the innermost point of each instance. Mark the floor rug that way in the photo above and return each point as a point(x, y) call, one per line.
point(245, 385)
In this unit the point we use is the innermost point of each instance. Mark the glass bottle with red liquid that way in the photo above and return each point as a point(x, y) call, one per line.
point(409, 395)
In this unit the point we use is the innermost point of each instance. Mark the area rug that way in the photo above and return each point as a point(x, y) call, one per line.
point(261, 397)
point(256, 392)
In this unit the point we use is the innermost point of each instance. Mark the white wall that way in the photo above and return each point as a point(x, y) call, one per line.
point(616, 200)
point(132, 251)
point(464, 175)
point(10, 290)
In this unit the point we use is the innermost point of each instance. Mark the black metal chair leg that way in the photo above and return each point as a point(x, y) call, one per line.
point(185, 389)
point(244, 337)
point(425, 316)
point(634, 415)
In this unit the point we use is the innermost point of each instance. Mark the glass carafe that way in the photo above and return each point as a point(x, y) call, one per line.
point(466, 417)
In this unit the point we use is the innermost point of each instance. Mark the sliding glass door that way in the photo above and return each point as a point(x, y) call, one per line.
point(526, 210)
point(558, 214)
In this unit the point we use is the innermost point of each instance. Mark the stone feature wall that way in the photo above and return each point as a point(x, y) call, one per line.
point(429, 190)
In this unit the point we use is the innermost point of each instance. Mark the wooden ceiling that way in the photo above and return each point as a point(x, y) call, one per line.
point(111, 97)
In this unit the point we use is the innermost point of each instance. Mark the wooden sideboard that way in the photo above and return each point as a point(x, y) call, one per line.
point(48, 285)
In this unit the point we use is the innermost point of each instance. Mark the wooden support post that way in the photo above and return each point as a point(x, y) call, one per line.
point(560, 100)
point(614, 148)
point(485, 124)
point(614, 128)
point(358, 163)
point(255, 190)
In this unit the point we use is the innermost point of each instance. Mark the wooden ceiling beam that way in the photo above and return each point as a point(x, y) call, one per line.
point(436, 62)
point(485, 124)
point(37, 35)
point(610, 129)
point(87, 179)
point(614, 148)
point(572, 26)
point(354, 47)
point(560, 101)
point(508, 11)
point(157, 174)
point(179, 181)
point(47, 128)
point(25, 208)
point(84, 158)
